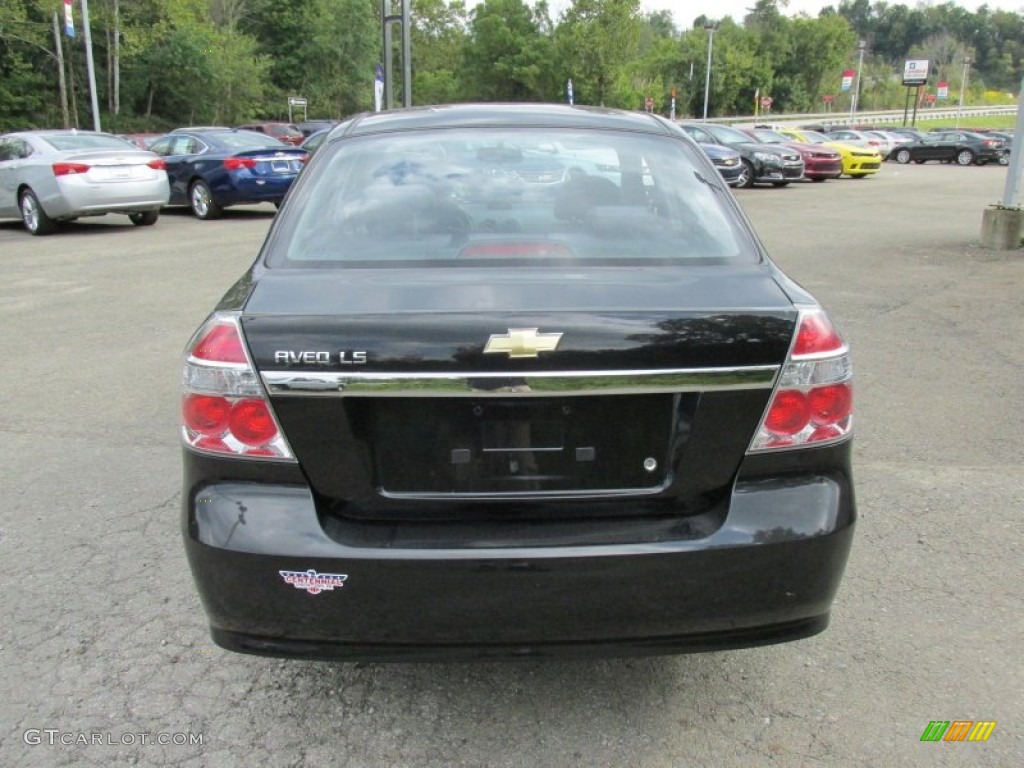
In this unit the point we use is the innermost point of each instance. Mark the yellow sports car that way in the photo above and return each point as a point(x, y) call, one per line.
point(857, 161)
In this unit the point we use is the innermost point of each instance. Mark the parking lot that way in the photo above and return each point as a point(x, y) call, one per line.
point(102, 636)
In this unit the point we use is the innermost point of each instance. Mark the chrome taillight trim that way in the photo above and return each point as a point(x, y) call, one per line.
point(240, 381)
point(840, 355)
point(503, 384)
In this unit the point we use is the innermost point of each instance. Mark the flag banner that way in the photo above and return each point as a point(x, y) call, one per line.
point(69, 22)
point(568, 91)
point(847, 83)
point(378, 88)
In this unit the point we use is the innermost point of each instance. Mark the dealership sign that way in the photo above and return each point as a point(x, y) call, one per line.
point(943, 90)
point(847, 83)
point(915, 72)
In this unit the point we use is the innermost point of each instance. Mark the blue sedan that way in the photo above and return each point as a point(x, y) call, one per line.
point(210, 170)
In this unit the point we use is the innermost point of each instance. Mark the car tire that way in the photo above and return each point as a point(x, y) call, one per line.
point(903, 157)
point(746, 178)
point(200, 200)
point(144, 218)
point(1004, 159)
point(33, 216)
point(964, 157)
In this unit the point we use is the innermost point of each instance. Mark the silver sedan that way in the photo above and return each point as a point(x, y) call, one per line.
point(51, 176)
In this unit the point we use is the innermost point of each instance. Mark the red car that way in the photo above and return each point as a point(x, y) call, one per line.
point(286, 132)
point(820, 162)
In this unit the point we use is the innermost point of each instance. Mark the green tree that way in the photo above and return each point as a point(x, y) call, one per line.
point(595, 41)
point(506, 58)
point(439, 35)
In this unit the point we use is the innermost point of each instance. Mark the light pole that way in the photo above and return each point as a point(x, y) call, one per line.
point(710, 26)
point(861, 45)
point(963, 89)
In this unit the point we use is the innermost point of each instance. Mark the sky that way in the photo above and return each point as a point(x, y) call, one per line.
point(685, 11)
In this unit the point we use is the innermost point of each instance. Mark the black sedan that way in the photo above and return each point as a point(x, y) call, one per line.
point(961, 147)
point(777, 165)
point(462, 408)
point(210, 170)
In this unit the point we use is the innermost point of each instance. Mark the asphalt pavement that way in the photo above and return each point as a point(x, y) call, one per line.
point(104, 651)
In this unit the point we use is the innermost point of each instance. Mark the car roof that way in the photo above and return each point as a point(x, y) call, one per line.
point(502, 115)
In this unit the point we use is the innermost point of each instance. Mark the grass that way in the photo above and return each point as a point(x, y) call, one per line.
point(992, 122)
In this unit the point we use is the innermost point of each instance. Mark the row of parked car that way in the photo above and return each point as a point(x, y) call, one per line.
point(50, 176)
point(779, 155)
point(60, 175)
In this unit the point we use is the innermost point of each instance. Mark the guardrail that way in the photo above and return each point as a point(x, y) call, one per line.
point(891, 116)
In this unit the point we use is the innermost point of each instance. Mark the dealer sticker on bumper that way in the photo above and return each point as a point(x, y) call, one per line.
point(314, 583)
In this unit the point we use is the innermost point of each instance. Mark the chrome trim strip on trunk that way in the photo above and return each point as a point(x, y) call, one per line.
point(541, 383)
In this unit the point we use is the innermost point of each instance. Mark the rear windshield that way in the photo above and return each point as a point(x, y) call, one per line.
point(245, 139)
point(286, 131)
point(65, 141)
point(428, 198)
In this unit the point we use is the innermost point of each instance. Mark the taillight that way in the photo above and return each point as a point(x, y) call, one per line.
point(237, 163)
point(157, 165)
point(69, 169)
point(224, 408)
point(813, 400)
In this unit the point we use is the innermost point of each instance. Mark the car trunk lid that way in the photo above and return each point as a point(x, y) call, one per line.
point(415, 391)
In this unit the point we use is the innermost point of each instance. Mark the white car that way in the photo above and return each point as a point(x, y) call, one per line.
point(865, 139)
point(52, 176)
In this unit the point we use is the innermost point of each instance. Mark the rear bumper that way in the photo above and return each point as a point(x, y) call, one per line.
point(764, 570)
point(243, 187)
point(75, 196)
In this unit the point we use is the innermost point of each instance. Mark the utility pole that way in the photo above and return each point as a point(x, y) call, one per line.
point(117, 58)
point(91, 67)
point(388, 18)
point(963, 89)
point(60, 69)
point(861, 45)
point(710, 27)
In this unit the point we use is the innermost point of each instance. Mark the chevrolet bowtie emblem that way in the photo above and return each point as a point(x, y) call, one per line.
point(522, 342)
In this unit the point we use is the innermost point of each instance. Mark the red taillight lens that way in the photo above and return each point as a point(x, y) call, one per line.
point(814, 399)
point(157, 165)
point(251, 422)
point(224, 408)
point(816, 336)
point(788, 414)
point(206, 414)
point(831, 404)
point(220, 344)
point(69, 169)
point(237, 163)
